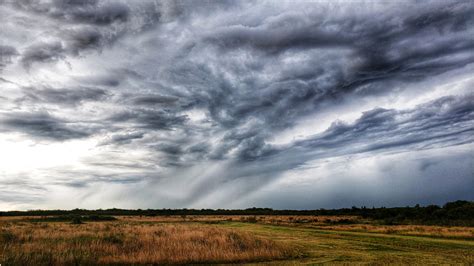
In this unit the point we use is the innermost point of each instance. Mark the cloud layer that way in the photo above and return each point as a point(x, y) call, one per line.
point(232, 104)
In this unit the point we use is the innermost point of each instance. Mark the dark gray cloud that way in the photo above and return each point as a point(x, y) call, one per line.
point(62, 96)
point(149, 118)
point(41, 125)
point(154, 100)
point(90, 12)
point(429, 125)
point(208, 104)
point(6, 55)
point(42, 53)
point(84, 39)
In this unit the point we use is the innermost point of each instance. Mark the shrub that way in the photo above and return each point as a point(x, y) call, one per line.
point(252, 219)
point(76, 220)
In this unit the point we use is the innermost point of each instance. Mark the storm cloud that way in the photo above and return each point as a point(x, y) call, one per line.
point(41, 125)
point(62, 96)
point(235, 103)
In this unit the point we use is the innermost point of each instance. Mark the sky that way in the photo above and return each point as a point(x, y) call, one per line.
point(235, 104)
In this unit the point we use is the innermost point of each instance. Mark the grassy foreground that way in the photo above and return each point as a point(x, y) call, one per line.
point(330, 246)
point(222, 239)
point(132, 243)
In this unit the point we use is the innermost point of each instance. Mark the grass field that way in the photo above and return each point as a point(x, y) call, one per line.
point(280, 240)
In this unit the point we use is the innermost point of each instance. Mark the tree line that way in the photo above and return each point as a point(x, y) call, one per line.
point(452, 213)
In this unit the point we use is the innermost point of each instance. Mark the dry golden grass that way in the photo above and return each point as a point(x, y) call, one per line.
point(414, 230)
point(24, 243)
point(356, 224)
point(266, 219)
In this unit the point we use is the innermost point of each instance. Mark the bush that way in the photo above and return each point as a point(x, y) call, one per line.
point(252, 219)
point(76, 220)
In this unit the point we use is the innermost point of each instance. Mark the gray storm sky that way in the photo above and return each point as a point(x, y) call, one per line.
point(234, 104)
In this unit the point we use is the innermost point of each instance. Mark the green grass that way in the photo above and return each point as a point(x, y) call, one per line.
point(325, 246)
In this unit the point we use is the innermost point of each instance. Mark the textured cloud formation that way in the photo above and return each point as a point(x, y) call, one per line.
point(235, 103)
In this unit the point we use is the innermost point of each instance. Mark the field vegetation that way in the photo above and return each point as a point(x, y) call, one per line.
point(82, 237)
point(27, 243)
point(335, 223)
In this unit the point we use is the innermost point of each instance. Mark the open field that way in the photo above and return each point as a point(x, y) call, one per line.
point(284, 240)
point(129, 242)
